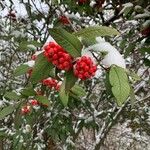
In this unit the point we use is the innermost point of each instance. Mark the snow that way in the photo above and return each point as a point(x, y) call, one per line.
point(32, 47)
point(28, 128)
point(1, 103)
point(126, 6)
point(38, 52)
point(30, 63)
point(113, 57)
point(141, 16)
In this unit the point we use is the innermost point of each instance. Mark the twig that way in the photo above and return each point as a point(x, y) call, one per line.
point(68, 20)
point(106, 127)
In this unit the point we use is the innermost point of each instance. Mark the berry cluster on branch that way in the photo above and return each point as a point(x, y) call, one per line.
point(83, 67)
point(51, 83)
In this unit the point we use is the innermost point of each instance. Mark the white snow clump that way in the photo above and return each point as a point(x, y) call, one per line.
point(113, 57)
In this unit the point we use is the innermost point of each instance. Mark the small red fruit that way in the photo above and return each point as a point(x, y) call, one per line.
point(34, 57)
point(82, 1)
point(34, 102)
point(146, 32)
point(64, 20)
point(25, 109)
point(29, 72)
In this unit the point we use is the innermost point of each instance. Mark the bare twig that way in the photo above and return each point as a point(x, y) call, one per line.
point(107, 126)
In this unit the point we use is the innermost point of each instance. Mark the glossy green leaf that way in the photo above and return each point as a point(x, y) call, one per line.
point(120, 85)
point(67, 40)
point(29, 45)
point(90, 33)
point(144, 50)
point(70, 80)
point(78, 90)
point(22, 69)
point(133, 75)
point(41, 69)
point(63, 94)
point(28, 92)
point(11, 96)
point(146, 62)
point(6, 111)
point(43, 100)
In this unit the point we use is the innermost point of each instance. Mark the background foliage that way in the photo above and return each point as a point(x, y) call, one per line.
point(92, 119)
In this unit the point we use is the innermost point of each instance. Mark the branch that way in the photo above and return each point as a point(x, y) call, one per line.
point(106, 127)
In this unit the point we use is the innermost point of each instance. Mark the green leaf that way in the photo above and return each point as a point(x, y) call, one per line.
point(41, 69)
point(70, 80)
point(11, 96)
point(107, 84)
point(26, 45)
point(43, 100)
point(90, 33)
point(146, 62)
point(120, 85)
point(78, 90)
point(129, 49)
point(63, 95)
point(133, 75)
point(67, 40)
point(143, 50)
point(3, 134)
point(28, 92)
point(6, 111)
point(127, 10)
point(22, 69)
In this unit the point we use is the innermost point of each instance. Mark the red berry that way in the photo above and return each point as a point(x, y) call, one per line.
point(64, 20)
point(55, 62)
point(58, 56)
point(25, 109)
point(57, 87)
point(82, 1)
point(34, 57)
point(51, 83)
point(29, 72)
point(146, 32)
point(34, 102)
point(55, 56)
point(61, 60)
point(84, 68)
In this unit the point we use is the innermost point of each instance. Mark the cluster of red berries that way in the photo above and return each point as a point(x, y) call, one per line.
point(146, 32)
point(82, 1)
point(64, 20)
point(58, 56)
point(25, 109)
point(51, 83)
point(34, 102)
point(84, 68)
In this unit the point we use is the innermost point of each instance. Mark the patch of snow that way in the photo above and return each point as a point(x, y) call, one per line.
point(141, 16)
point(30, 63)
point(126, 6)
point(113, 57)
